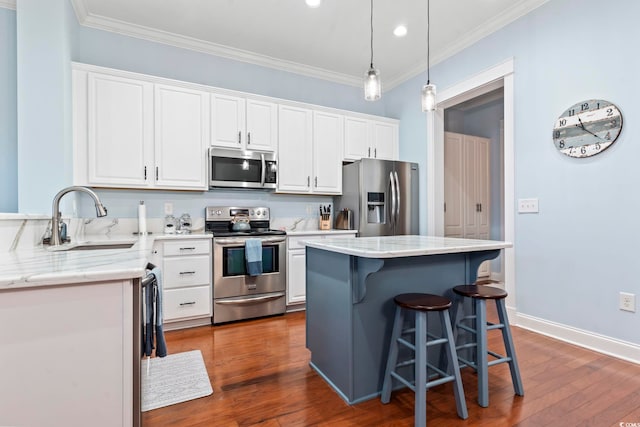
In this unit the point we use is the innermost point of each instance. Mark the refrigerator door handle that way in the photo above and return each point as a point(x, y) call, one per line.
point(392, 211)
point(395, 174)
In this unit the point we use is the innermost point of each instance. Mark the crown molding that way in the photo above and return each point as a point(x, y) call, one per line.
point(176, 40)
point(8, 4)
point(478, 33)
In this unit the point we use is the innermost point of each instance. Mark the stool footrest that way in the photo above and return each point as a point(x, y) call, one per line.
point(466, 328)
point(499, 361)
point(491, 326)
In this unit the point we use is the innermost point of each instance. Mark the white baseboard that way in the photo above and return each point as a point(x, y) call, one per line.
point(600, 343)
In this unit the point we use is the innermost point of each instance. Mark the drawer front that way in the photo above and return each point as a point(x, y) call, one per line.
point(187, 247)
point(183, 303)
point(186, 271)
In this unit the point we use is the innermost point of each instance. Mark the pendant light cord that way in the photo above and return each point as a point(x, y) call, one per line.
point(428, 44)
point(371, 65)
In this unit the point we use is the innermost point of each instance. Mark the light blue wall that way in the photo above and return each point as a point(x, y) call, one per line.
point(571, 262)
point(8, 111)
point(44, 102)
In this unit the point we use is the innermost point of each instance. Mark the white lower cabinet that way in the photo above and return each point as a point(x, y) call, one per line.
point(296, 263)
point(186, 273)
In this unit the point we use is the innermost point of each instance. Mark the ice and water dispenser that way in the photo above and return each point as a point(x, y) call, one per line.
point(375, 208)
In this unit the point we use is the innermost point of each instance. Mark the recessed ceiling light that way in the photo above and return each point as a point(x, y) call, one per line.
point(400, 31)
point(313, 3)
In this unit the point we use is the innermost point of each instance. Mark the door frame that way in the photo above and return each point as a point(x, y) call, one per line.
point(500, 75)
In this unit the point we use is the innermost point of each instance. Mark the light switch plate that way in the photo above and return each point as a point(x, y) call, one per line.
point(527, 205)
point(168, 208)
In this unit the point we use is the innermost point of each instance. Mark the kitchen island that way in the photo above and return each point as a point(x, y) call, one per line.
point(351, 283)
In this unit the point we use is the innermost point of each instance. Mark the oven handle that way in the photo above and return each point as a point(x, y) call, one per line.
point(239, 242)
point(263, 174)
point(237, 301)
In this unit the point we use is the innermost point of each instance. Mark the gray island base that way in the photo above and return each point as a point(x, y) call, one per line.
point(350, 285)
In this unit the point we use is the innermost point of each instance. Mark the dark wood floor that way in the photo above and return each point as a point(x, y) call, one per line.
point(260, 375)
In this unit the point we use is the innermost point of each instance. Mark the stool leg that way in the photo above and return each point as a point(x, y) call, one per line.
point(453, 367)
point(481, 352)
point(421, 369)
point(392, 358)
point(508, 345)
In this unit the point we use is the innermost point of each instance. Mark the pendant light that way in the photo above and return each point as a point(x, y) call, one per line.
point(372, 83)
point(428, 90)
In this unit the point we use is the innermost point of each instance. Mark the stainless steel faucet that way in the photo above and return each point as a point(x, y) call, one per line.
point(55, 218)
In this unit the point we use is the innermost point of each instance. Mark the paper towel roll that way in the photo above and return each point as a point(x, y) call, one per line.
point(142, 218)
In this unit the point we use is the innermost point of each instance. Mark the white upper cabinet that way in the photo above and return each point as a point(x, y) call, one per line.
point(365, 138)
point(309, 151)
point(328, 136)
point(181, 137)
point(132, 133)
point(294, 149)
point(243, 123)
point(119, 130)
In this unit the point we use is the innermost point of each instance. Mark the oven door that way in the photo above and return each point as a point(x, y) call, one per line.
point(241, 169)
point(230, 278)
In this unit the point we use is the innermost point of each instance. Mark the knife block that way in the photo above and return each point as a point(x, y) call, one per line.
point(325, 224)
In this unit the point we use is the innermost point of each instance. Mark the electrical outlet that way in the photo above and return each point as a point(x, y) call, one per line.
point(628, 302)
point(168, 208)
point(528, 205)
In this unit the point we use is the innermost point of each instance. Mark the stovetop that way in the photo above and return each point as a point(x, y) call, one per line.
point(255, 232)
point(218, 221)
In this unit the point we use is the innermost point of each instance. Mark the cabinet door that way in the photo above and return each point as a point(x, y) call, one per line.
point(385, 141)
point(453, 190)
point(328, 133)
point(227, 121)
point(181, 136)
point(120, 131)
point(296, 276)
point(356, 138)
point(261, 125)
point(294, 149)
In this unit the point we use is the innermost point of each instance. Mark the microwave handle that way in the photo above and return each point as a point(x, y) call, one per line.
point(263, 175)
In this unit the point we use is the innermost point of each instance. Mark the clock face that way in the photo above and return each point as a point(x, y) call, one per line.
point(587, 128)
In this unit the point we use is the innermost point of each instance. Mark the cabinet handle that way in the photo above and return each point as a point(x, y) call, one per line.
point(145, 173)
point(308, 181)
point(375, 153)
point(479, 207)
point(187, 272)
point(316, 179)
point(187, 303)
point(239, 137)
point(188, 249)
point(369, 152)
point(248, 138)
point(156, 173)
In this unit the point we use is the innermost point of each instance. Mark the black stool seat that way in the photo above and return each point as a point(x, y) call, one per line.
point(482, 292)
point(422, 302)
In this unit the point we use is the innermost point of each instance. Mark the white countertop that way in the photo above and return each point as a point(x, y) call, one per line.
point(403, 246)
point(322, 232)
point(40, 266)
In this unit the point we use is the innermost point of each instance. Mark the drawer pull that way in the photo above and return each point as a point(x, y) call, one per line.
point(187, 272)
point(188, 249)
point(187, 303)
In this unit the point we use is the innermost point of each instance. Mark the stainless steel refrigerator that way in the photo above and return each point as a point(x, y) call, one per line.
point(383, 195)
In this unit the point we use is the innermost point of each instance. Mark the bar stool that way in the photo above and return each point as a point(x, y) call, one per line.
point(479, 296)
point(421, 305)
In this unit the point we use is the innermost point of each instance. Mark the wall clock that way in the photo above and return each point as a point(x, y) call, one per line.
point(587, 128)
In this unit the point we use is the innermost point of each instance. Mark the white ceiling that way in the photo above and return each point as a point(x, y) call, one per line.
point(330, 42)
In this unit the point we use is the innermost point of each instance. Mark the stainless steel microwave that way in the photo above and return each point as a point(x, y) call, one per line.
point(242, 169)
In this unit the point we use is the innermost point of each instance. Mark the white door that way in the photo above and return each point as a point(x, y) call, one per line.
point(356, 138)
point(328, 133)
point(385, 141)
point(181, 137)
point(453, 185)
point(262, 122)
point(294, 149)
point(227, 121)
point(120, 131)
point(296, 276)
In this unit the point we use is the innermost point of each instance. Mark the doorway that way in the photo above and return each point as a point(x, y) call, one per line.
point(499, 76)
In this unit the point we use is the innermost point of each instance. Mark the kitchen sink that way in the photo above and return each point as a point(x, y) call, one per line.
point(87, 246)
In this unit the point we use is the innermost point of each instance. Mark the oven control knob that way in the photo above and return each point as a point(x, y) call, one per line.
point(251, 212)
point(218, 212)
point(259, 212)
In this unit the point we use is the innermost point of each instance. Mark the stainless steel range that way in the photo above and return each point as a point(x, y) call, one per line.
point(236, 294)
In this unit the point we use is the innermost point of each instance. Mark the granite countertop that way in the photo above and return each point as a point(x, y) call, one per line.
point(41, 266)
point(403, 246)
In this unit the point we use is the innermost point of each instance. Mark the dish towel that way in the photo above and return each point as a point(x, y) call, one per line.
point(161, 344)
point(253, 255)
